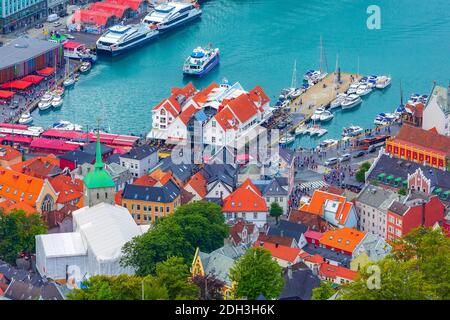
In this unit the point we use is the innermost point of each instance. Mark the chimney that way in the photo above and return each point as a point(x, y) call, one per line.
point(289, 270)
point(276, 245)
point(282, 233)
point(261, 243)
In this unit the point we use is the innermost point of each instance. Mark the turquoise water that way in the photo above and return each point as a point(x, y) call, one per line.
point(259, 41)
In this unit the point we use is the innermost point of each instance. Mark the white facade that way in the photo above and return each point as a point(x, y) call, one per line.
point(437, 112)
point(140, 167)
point(177, 130)
point(217, 190)
point(94, 248)
point(281, 200)
point(257, 218)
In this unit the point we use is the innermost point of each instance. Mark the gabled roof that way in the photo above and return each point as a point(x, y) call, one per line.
point(343, 239)
point(299, 284)
point(198, 183)
point(39, 167)
point(280, 252)
point(78, 156)
point(258, 96)
point(8, 153)
point(246, 198)
point(287, 229)
point(332, 271)
point(171, 105)
point(314, 222)
point(186, 91)
point(139, 153)
point(276, 239)
point(187, 113)
point(202, 96)
point(165, 194)
point(271, 187)
point(19, 187)
point(145, 180)
point(90, 148)
point(242, 107)
point(68, 189)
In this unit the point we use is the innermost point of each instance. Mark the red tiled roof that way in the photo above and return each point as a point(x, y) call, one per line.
point(9, 153)
point(187, 114)
point(331, 271)
point(281, 252)
point(343, 239)
point(284, 241)
point(242, 107)
point(68, 189)
point(317, 259)
point(246, 198)
point(171, 105)
point(187, 91)
point(202, 95)
point(39, 167)
point(258, 95)
point(145, 180)
point(226, 119)
point(313, 221)
point(198, 183)
point(424, 139)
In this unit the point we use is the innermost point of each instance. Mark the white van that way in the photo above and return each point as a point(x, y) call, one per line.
point(52, 18)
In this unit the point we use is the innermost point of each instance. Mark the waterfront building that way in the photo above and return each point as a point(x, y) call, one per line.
point(24, 56)
point(139, 160)
point(333, 208)
point(372, 205)
point(437, 112)
point(18, 14)
point(98, 185)
point(94, 248)
point(147, 204)
point(413, 115)
point(217, 264)
point(246, 202)
point(418, 209)
point(422, 146)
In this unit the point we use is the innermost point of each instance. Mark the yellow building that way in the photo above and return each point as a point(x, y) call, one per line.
point(359, 262)
point(148, 204)
point(218, 264)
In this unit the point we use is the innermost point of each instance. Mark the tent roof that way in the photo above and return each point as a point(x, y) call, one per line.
point(46, 71)
point(17, 84)
point(6, 94)
point(33, 79)
point(72, 45)
point(63, 245)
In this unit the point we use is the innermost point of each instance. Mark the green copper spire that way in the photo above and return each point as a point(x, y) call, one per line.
point(98, 154)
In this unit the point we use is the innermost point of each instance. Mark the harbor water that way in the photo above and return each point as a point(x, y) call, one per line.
point(259, 41)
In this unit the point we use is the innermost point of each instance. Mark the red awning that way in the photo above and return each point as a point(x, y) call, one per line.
point(72, 45)
point(46, 71)
point(6, 94)
point(33, 79)
point(17, 84)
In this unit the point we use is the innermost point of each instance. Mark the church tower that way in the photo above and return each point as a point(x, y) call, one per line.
point(98, 185)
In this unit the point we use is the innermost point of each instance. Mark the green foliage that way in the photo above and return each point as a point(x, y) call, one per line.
point(275, 210)
point(402, 191)
point(171, 282)
point(361, 173)
point(17, 233)
point(324, 292)
point(417, 269)
point(199, 224)
point(257, 273)
point(365, 166)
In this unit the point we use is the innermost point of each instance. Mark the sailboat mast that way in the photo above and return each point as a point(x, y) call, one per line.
point(323, 60)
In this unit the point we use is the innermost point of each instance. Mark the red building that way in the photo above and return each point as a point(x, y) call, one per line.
point(419, 209)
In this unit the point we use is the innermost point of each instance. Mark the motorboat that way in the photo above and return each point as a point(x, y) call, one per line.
point(287, 139)
point(297, 93)
point(328, 143)
point(363, 90)
point(352, 131)
point(326, 116)
point(57, 102)
point(120, 38)
point(59, 91)
point(85, 67)
point(314, 130)
point(300, 130)
point(287, 93)
point(170, 15)
point(46, 101)
point(351, 101)
point(69, 82)
point(317, 114)
point(25, 118)
point(336, 103)
point(383, 82)
point(201, 61)
point(66, 126)
point(381, 121)
point(353, 88)
point(321, 132)
point(372, 81)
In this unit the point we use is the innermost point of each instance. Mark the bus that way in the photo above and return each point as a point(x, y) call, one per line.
point(376, 142)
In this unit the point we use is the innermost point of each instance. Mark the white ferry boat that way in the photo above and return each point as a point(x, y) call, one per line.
point(119, 39)
point(170, 15)
point(201, 61)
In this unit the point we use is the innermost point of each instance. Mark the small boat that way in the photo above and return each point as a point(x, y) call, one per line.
point(287, 93)
point(85, 67)
point(321, 132)
point(25, 118)
point(57, 102)
point(59, 91)
point(328, 143)
point(314, 130)
point(69, 82)
point(351, 101)
point(381, 121)
point(352, 131)
point(353, 88)
point(383, 82)
point(201, 61)
point(317, 114)
point(336, 103)
point(46, 101)
point(363, 90)
point(287, 139)
point(296, 93)
point(66, 126)
point(326, 116)
point(300, 130)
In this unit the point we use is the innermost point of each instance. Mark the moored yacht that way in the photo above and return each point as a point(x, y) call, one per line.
point(25, 118)
point(46, 101)
point(336, 103)
point(363, 90)
point(170, 15)
point(57, 102)
point(316, 116)
point(383, 82)
point(352, 131)
point(66, 126)
point(351, 101)
point(119, 39)
point(326, 116)
point(201, 61)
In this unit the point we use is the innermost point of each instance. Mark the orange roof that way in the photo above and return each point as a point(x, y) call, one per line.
point(187, 114)
point(258, 95)
point(21, 206)
point(343, 239)
point(19, 187)
point(331, 271)
point(317, 259)
point(8, 153)
point(118, 198)
point(145, 180)
point(226, 119)
point(67, 189)
point(202, 96)
point(281, 252)
point(198, 183)
point(165, 178)
point(157, 174)
point(242, 107)
point(38, 167)
point(246, 198)
point(320, 199)
point(187, 91)
point(171, 105)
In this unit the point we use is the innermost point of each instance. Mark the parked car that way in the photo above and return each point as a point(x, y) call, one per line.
point(69, 36)
point(39, 26)
point(345, 157)
point(331, 162)
point(359, 154)
point(57, 24)
point(372, 149)
point(52, 18)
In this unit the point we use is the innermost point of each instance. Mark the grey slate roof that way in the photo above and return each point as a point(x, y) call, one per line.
point(23, 49)
point(377, 197)
point(225, 173)
point(90, 148)
point(398, 208)
point(340, 258)
point(273, 187)
point(288, 229)
point(299, 285)
point(114, 158)
point(375, 247)
point(139, 153)
point(78, 156)
point(182, 172)
point(18, 290)
point(165, 194)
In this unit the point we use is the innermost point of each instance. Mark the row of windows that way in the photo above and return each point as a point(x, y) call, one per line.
point(137, 207)
point(22, 195)
point(275, 199)
point(245, 215)
point(397, 221)
point(146, 217)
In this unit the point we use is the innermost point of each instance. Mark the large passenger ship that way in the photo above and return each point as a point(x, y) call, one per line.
point(171, 15)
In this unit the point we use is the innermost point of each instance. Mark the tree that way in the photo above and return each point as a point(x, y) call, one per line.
point(17, 233)
point(211, 288)
point(175, 275)
point(416, 269)
point(275, 210)
point(199, 224)
point(324, 292)
point(402, 191)
point(257, 273)
point(361, 173)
